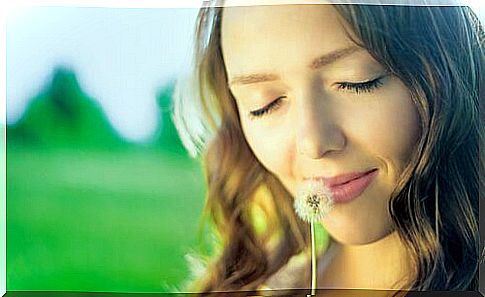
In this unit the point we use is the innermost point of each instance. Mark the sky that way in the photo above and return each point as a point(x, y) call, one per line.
point(121, 56)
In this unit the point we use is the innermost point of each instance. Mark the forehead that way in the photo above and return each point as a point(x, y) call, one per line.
point(269, 38)
point(290, 12)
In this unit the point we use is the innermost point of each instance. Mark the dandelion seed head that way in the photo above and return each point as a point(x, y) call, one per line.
point(313, 201)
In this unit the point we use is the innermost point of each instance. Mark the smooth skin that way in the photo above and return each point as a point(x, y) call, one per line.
point(313, 104)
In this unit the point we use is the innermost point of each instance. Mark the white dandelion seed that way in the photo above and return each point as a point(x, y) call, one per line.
point(313, 201)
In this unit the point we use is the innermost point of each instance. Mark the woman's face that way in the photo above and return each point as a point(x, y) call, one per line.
point(314, 105)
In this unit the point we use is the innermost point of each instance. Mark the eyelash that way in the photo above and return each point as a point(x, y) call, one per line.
point(267, 109)
point(357, 88)
point(362, 87)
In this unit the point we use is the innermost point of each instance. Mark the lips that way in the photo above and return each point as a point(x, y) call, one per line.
point(342, 179)
point(347, 187)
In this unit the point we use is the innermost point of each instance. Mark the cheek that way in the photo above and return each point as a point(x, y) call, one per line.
point(272, 147)
point(402, 129)
point(391, 129)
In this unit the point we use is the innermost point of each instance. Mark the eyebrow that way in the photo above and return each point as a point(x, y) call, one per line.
point(253, 78)
point(317, 63)
point(333, 56)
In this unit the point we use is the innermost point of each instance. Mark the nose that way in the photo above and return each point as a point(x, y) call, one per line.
point(317, 130)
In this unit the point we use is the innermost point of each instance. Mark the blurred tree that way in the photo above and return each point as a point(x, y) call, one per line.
point(166, 137)
point(64, 116)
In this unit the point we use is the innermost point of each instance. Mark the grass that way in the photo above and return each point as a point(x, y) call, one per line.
point(100, 221)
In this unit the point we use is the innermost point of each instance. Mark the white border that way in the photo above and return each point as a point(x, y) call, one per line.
point(8, 8)
point(3, 152)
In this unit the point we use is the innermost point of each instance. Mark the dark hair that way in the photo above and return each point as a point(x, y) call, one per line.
point(437, 52)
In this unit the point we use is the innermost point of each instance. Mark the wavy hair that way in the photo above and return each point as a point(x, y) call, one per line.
point(437, 52)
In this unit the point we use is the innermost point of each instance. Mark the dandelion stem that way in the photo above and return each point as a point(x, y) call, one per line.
point(314, 259)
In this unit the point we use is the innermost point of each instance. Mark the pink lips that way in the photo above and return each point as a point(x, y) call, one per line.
point(349, 186)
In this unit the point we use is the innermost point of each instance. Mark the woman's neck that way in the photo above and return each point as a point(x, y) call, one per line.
point(383, 264)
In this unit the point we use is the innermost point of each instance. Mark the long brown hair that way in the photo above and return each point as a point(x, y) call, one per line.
point(438, 54)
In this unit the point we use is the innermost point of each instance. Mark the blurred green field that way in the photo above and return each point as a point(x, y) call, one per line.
point(102, 220)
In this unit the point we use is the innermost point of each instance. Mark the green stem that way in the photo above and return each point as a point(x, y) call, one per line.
point(314, 260)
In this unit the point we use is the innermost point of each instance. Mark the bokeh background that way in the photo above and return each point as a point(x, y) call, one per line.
point(101, 194)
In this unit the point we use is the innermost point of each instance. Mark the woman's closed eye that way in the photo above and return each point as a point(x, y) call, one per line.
point(354, 87)
point(362, 87)
point(267, 109)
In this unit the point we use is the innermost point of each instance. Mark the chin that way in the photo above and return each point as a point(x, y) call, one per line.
point(358, 237)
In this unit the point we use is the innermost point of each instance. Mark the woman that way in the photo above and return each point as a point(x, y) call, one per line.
point(381, 103)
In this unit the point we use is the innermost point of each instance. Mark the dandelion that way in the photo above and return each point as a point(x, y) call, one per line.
point(312, 203)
